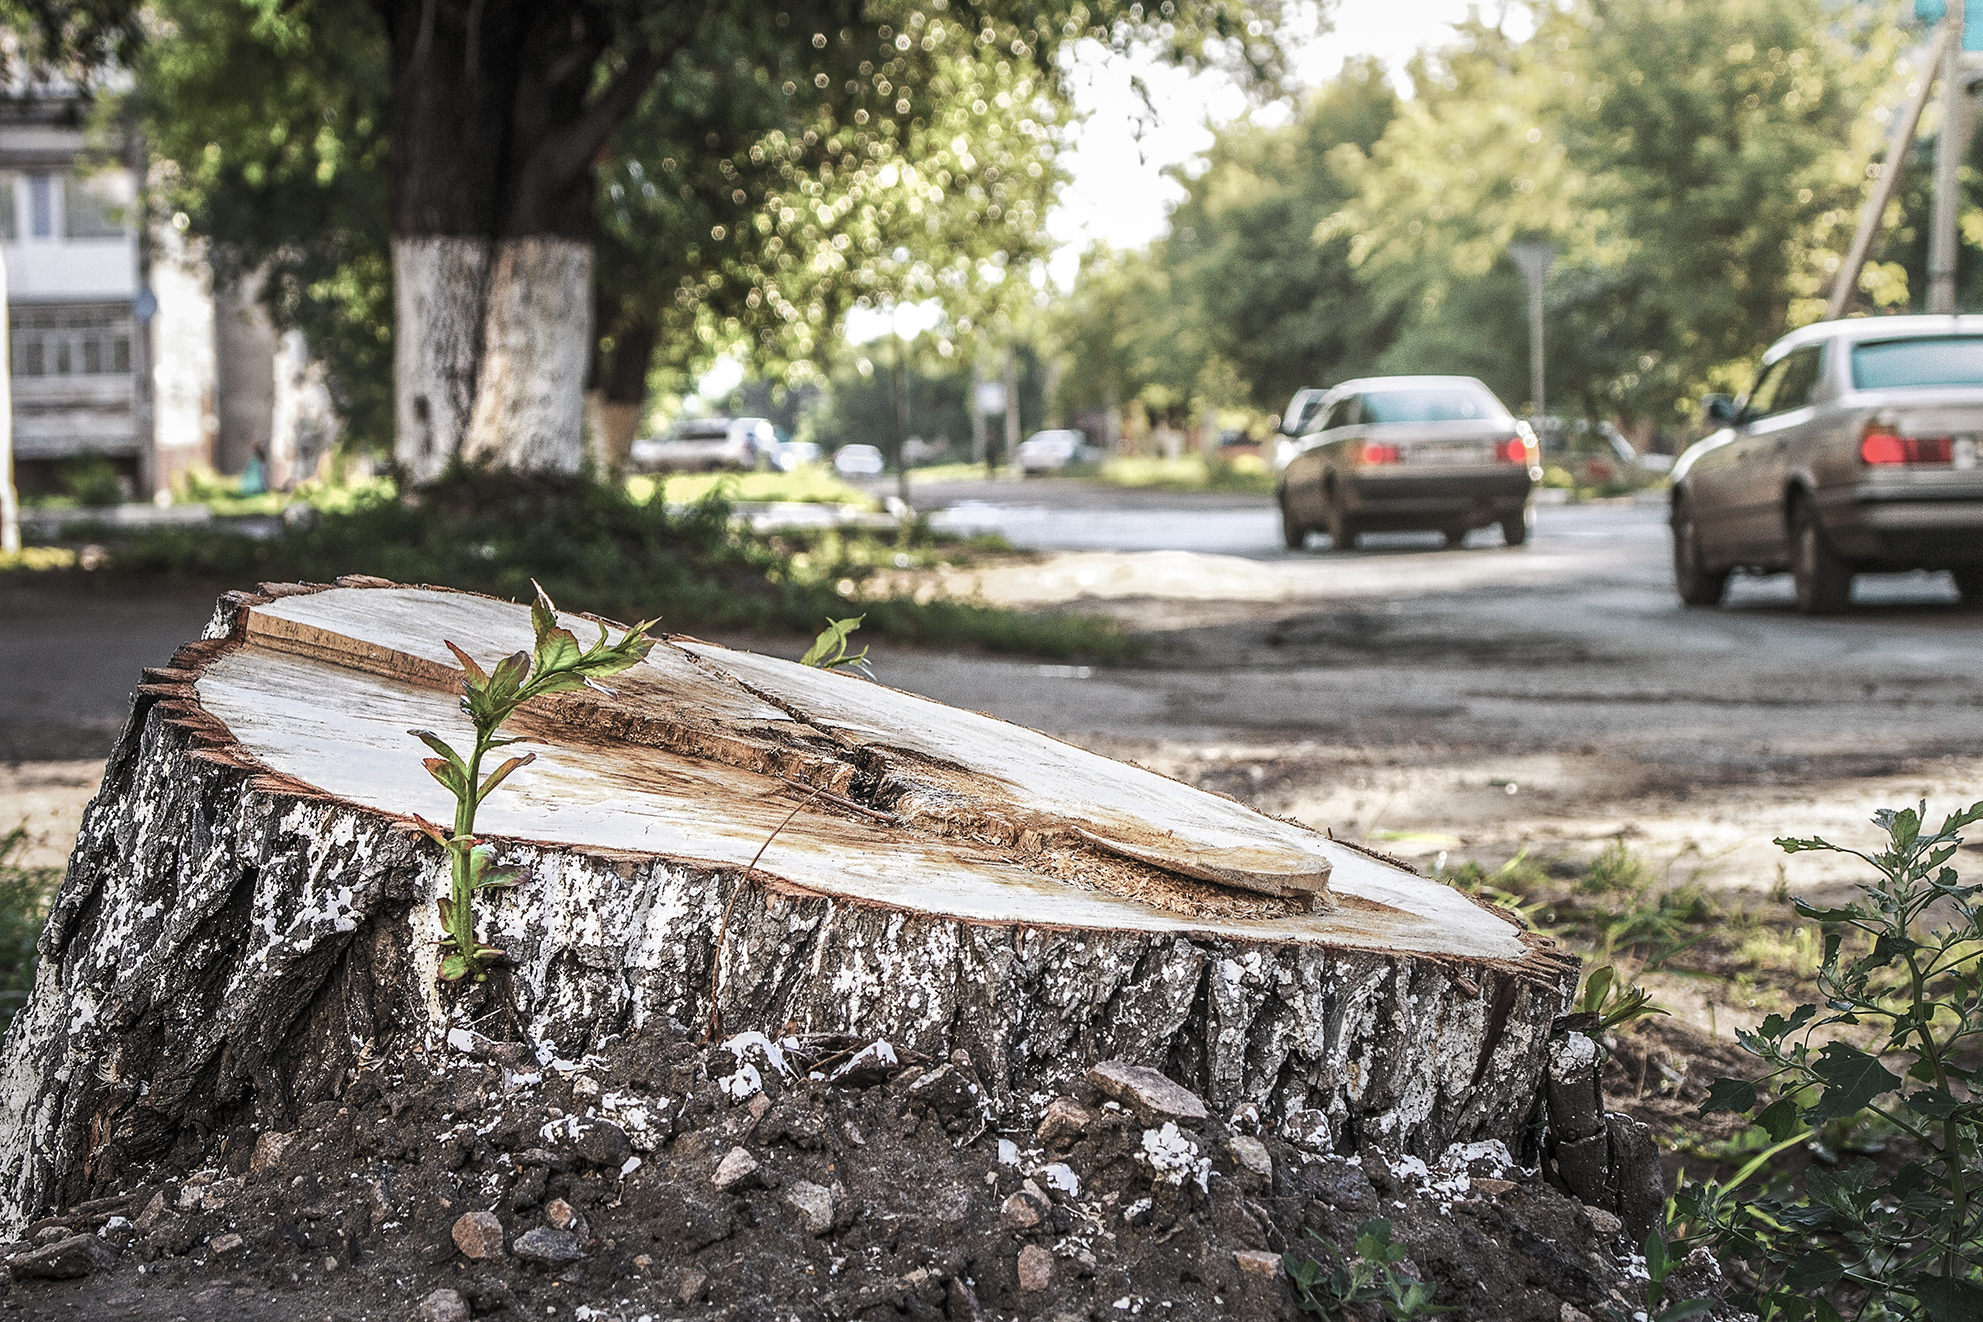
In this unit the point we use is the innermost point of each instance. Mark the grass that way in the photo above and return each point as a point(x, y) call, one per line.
point(1243, 473)
point(815, 484)
point(598, 548)
point(24, 896)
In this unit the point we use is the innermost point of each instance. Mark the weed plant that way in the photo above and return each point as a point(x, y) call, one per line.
point(596, 548)
point(1893, 1242)
point(1369, 1274)
point(24, 895)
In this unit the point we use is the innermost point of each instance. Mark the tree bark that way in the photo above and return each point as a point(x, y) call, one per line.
point(727, 840)
point(496, 126)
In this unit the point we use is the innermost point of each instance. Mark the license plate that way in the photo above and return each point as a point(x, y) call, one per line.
point(1963, 452)
point(1449, 452)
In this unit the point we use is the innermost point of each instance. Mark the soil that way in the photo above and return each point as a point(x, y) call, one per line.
point(870, 1193)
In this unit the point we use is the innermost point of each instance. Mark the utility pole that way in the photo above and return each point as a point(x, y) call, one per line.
point(1950, 144)
point(1875, 209)
point(1534, 256)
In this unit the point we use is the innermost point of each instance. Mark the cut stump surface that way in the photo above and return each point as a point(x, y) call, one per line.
point(724, 838)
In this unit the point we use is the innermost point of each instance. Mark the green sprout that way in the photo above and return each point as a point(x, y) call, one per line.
point(491, 697)
point(829, 650)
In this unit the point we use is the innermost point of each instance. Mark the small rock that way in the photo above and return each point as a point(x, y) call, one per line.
point(560, 1214)
point(1154, 1098)
point(228, 1243)
point(552, 1248)
point(1492, 1188)
point(602, 1143)
point(693, 1281)
point(736, 1169)
point(1035, 1269)
point(479, 1236)
point(1251, 1155)
point(962, 1304)
point(644, 1264)
point(1026, 1208)
point(269, 1150)
point(153, 1211)
point(51, 1234)
point(64, 1260)
point(584, 1086)
point(1309, 1129)
point(1063, 1122)
point(814, 1204)
point(471, 1043)
point(949, 1090)
point(1571, 1313)
point(1059, 1180)
point(1603, 1222)
point(443, 1306)
point(1257, 1262)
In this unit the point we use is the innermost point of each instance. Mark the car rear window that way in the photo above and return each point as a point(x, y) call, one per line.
point(1431, 404)
point(1942, 360)
point(704, 431)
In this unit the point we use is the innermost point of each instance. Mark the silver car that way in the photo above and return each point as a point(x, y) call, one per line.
point(1859, 448)
point(706, 443)
point(1397, 453)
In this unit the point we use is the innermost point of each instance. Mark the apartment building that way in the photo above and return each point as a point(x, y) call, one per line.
point(120, 346)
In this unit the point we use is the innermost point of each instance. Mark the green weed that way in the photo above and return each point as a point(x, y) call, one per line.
point(490, 697)
point(24, 896)
point(1890, 1242)
point(1368, 1274)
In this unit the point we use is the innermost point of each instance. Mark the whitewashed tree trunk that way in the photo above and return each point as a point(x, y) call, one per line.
point(440, 287)
point(536, 346)
point(248, 917)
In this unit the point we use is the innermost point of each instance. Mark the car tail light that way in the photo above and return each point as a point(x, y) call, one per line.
point(1881, 446)
point(1514, 450)
point(1379, 452)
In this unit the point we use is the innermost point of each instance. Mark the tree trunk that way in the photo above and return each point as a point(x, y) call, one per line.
point(495, 130)
point(727, 840)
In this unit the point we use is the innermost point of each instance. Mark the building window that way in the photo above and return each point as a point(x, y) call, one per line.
point(41, 206)
point(87, 213)
point(10, 224)
point(75, 339)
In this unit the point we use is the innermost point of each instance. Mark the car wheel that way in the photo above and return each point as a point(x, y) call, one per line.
point(1342, 528)
point(1293, 532)
point(1455, 537)
point(1969, 584)
point(1515, 531)
point(1698, 584)
point(1823, 579)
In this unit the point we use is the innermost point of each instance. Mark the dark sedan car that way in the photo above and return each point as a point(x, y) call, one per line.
point(1405, 453)
point(1857, 449)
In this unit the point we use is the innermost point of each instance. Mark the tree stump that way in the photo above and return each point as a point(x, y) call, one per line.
point(728, 842)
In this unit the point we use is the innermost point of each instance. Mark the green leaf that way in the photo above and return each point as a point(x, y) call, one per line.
point(1812, 1270)
point(451, 775)
point(502, 773)
point(440, 745)
point(454, 967)
point(1778, 1119)
point(543, 613)
point(1851, 1078)
point(473, 673)
point(1948, 1300)
point(1729, 1095)
point(1595, 985)
point(557, 650)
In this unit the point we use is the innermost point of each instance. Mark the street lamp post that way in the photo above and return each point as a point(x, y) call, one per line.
point(1534, 257)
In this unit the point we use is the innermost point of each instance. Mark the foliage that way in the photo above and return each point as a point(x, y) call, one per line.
point(24, 895)
point(91, 480)
point(596, 548)
point(829, 650)
point(1907, 1242)
point(815, 484)
point(1369, 1274)
point(1611, 1001)
point(490, 697)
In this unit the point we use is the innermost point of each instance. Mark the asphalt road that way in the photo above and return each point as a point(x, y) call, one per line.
point(1428, 699)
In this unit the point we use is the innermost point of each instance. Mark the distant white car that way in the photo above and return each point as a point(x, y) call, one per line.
point(790, 456)
point(1048, 451)
point(858, 461)
point(706, 443)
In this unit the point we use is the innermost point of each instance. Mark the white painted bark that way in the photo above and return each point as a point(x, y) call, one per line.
point(529, 410)
point(439, 288)
point(610, 431)
point(10, 512)
point(248, 914)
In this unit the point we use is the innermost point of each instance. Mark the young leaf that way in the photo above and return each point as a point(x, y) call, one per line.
point(448, 773)
point(1851, 1078)
point(475, 674)
point(1729, 1095)
point(502, 773)
point(454, 967)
